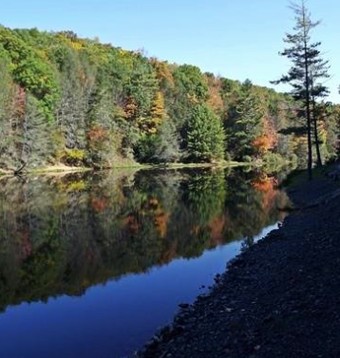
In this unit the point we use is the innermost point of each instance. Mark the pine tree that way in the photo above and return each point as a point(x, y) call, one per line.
point(244, 124)
point(205, 135)
point(306, 66)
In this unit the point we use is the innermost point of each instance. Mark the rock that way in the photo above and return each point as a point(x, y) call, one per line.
point(184, 305)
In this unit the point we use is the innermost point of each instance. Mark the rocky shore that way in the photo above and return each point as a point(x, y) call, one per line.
point(280, 298)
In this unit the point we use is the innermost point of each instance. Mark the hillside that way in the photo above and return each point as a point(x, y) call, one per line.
point(77, 102)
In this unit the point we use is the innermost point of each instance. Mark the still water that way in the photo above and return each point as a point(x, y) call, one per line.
point(91, 265)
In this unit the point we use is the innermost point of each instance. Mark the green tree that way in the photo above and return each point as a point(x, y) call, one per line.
point(318, 90)
point(205, 135)
point(190, 89)
point(167, 150)
point(306, 62)
point(6, 98)
point(243, 124)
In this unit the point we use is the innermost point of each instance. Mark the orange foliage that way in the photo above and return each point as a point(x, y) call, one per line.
point(214, 89)
point(161, 223)
point(130, 108)
point(262, 143)
point(163, 72)
point(153, 210)
point(267, 186)
point(96, 134)
point(25, 244)
point(160, 217)
point(268, 140)
point(216, 229)
point(19, 102)
point(264, 184)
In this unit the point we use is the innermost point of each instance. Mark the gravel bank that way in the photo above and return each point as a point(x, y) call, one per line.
point(280, 298)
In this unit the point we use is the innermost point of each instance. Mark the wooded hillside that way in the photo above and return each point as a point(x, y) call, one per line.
point(76, 101)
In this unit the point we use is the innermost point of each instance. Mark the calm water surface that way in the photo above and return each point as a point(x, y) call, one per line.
point(91, 265)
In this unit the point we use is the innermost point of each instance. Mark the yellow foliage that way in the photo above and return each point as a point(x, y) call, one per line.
point(76, 46)
point(163, 72)
point(157, 110)
point(192, 98)
point(73, 156)
point(75, 153)
point(79, 185)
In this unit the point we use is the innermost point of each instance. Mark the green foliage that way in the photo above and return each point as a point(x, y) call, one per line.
point(142, 85)
point(190, 81)
point(167, 150)
point(206, 195)
point(60, 94)
point(244, 124)
point(205, 135)
point(307, 68)
point(273, 162)
point(31, 71)
point(146, 147)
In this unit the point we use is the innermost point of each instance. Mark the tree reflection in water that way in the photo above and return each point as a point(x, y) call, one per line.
point(63, 234)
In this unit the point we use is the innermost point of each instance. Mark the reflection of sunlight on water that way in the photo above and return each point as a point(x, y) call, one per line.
point(266, 231)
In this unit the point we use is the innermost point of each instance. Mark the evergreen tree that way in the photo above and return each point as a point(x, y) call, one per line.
point(318, 90)
point(205, 135)
point(306, 64)
point(244, 124)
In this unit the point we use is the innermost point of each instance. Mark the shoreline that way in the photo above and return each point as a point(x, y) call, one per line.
point(279, 298)
point(137, 166)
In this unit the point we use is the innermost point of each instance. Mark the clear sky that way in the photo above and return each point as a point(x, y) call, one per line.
point(237, 39)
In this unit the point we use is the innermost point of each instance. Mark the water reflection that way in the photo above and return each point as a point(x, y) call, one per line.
point(61, 235)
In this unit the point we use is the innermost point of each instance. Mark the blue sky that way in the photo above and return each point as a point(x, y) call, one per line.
point(237, 39)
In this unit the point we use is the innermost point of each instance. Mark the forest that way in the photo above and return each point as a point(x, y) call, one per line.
point(71, 101)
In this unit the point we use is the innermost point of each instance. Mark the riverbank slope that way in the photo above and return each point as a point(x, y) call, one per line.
point(280, 298)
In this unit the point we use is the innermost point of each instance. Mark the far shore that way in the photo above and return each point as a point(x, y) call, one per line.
point(60, 168)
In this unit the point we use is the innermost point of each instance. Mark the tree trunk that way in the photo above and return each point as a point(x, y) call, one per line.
point(307, 97)
point(316, 135)
point(309, 139)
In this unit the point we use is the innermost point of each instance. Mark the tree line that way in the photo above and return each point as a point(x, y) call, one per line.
point(79, 102)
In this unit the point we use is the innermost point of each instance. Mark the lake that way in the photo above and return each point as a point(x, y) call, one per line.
point(92, 264)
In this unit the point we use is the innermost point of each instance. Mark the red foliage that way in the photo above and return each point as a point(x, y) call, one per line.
point(25, 244)
point(19, 102)
point(99, 204)
point(132, 223)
